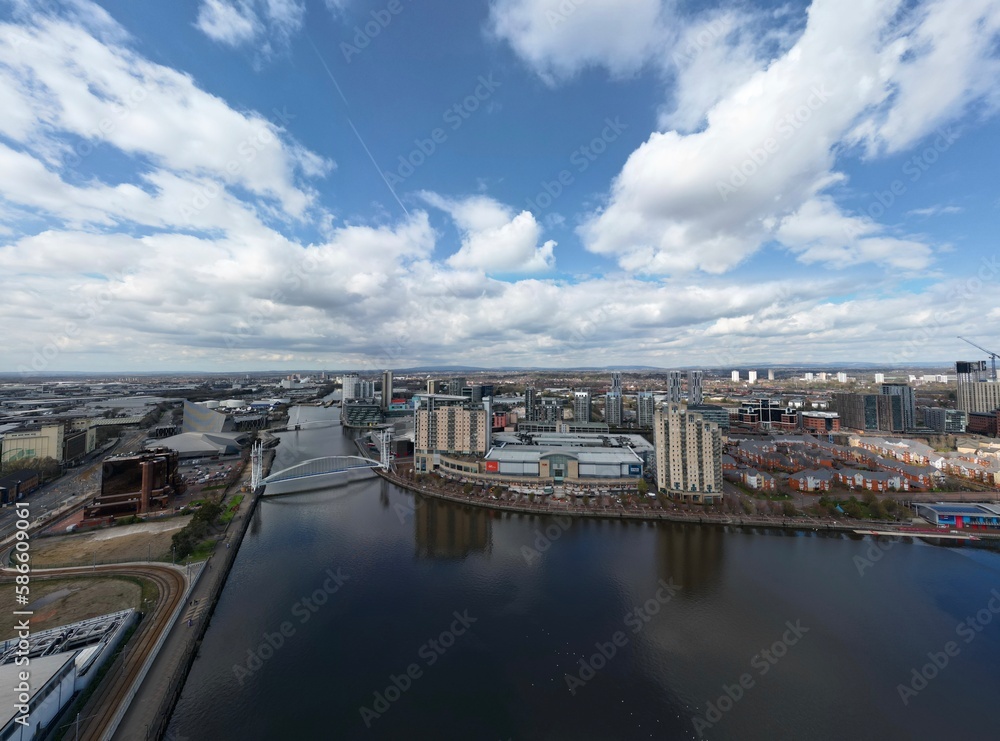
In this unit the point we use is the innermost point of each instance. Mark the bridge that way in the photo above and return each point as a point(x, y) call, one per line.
point(323, 467)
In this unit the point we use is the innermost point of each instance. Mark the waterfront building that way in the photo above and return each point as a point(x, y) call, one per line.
point(386, 390)
point(446, 424)
point(350, 387)
point(688, 454)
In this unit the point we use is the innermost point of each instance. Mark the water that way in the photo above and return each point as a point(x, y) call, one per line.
point(848, 622)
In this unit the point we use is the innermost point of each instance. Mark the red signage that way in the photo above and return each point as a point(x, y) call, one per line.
point(492, 466)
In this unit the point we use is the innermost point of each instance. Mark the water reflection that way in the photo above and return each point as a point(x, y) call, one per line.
point(691, 556)
point(446, 530)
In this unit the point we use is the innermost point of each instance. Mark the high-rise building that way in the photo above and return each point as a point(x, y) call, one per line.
point(550, 410)
point(350, 383)
point(673, 387)
point(581, 406)
point(770, 374)
point(613, 408)
point(976, 391)
point(530, 404)
point(945, 420)
point(842, 377)
point(455, 385)
point(695, 393)
point(752, 377)
point(809, 376)
point(736, 376)
point(909, 402)
point(871, 411)
point(449, 425)
point(880, 378)
point(645, 408)
point(616, 381)
point(386, 389)
point(821, 375)
point(433, 386)
point(688, 454)
point(478, 391)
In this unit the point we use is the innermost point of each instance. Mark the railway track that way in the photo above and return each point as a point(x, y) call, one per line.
point(107, 704)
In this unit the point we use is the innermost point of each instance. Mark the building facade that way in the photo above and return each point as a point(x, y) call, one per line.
point(909, 403)
point(645, 408)
point(688, 454)
point(695, 393)
point(944, 420)
point(976, 391)
point(450, 425)
point(581, 406)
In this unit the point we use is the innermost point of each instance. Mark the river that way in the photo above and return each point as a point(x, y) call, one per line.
point(364, 612)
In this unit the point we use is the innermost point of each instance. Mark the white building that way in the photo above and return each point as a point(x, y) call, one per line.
point(842, 377)
point(736, 376)
point(752, 377)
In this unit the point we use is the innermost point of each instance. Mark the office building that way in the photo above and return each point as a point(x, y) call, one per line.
point(752, 377)
point(673, 387)
point(581, 406)
point(645, 408)
point(945, 421)
point(712, 413)
point(135, 484)
point(688, 454)
point(446, 424)
point(985, 423)
point(909, 402)
point(386, 390)
point(976, 391)
point(820, 423)
point(695, 393)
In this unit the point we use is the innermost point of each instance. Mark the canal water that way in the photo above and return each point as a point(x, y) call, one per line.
point(364, 612)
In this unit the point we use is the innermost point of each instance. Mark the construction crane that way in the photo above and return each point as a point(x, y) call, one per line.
point(993, 356)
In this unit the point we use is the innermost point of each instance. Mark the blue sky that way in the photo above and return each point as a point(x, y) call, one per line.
point(257, 184)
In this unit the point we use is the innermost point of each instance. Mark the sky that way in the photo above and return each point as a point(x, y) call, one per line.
point(238, 185)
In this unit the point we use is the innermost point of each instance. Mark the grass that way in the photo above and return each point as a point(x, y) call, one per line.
point(230, 512)
point(203, 550)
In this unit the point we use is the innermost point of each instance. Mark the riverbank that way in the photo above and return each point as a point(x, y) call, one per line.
point(564, 508)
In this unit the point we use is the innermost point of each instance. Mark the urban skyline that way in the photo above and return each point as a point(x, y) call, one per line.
point(227, 186)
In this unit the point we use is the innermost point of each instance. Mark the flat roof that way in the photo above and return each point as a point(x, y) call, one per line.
point(42, 670)
point(978, 508)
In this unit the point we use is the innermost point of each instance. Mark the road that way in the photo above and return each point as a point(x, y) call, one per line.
point(76, 485)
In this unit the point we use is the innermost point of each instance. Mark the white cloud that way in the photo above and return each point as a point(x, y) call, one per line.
point(558, 38)
point(76, 85)
point(710, 199)
point(239, 22)
point(495, 239)
point(229, 23)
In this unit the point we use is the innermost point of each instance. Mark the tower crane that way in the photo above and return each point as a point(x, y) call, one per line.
point(993, 356)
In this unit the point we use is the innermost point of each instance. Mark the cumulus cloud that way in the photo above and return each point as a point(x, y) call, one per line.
point(709, 199)
point(239, 22)
point(558, 38)
point(495, 239)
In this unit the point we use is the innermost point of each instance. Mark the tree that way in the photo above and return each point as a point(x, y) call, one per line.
point(642, 487)
point(788, 509)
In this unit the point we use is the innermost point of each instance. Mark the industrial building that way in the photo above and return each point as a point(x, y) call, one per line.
point(64, 662)
point(134, 484)
point(960, 516)
point(688, 455)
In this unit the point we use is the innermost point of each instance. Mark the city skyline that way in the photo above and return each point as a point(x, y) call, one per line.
point(222, 186)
